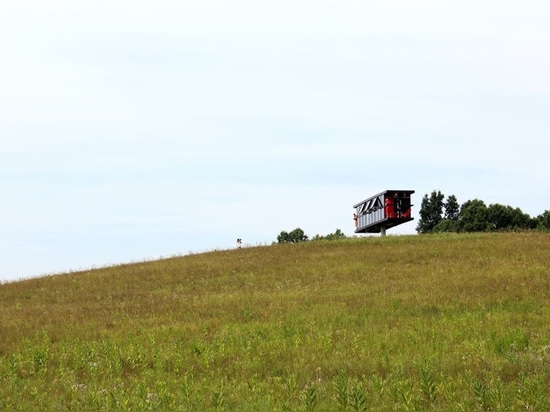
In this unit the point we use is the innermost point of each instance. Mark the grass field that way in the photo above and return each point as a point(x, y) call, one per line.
point(443, 322)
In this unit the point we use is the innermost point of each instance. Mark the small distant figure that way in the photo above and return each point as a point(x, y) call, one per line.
point(239, 243)
point(355, 219)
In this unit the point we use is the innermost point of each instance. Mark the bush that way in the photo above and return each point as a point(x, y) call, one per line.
point(338, 234)
point(297, 235)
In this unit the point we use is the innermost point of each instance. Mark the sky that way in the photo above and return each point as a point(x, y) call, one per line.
point(135, 130)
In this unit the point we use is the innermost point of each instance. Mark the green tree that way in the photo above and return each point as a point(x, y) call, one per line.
point(500, 217)
point(508, 218)
point(452, 213)
point(522, 220)
point(283, 237)
point(474, 217)
point(338, 234)
point(447, 225)
point(297, 235)
point(543, 221)
point(431, 211)
point(452, 208)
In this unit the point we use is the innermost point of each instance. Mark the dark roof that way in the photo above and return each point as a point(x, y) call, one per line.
point(404, 192)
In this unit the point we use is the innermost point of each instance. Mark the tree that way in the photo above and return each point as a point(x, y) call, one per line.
point(297, 235)
point(500, 217)
point(431, 210)
point(337, 235)
point(474, 217)
point(543, 221)
point(509, 218)
point(452, 213)
point(284, 237)
point(446, 225)
point(452, 208)
point(522, 220)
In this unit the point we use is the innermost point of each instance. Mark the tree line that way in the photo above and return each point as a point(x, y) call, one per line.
point(298, 235)
point(440, 214)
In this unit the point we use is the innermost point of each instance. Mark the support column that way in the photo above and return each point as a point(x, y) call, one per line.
point(383, 231)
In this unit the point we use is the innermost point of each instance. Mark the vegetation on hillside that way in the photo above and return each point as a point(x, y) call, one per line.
point(439, 215)
point(442, 322)
point(294, 236)
point(298, 235)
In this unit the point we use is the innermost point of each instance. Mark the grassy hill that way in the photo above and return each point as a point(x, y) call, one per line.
point(404, 322)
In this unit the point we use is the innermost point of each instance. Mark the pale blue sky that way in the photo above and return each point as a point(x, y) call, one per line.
point(131, 130)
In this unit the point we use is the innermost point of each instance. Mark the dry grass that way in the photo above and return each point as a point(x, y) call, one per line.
point(442, 321)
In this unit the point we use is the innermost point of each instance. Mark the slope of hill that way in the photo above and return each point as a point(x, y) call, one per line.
point(404, 322)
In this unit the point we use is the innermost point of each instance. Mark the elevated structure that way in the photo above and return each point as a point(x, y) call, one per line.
point(383, 211)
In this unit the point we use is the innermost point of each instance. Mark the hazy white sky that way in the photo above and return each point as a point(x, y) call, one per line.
point(131, 130)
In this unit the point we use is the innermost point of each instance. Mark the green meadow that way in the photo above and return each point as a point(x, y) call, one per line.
point(442, 322)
